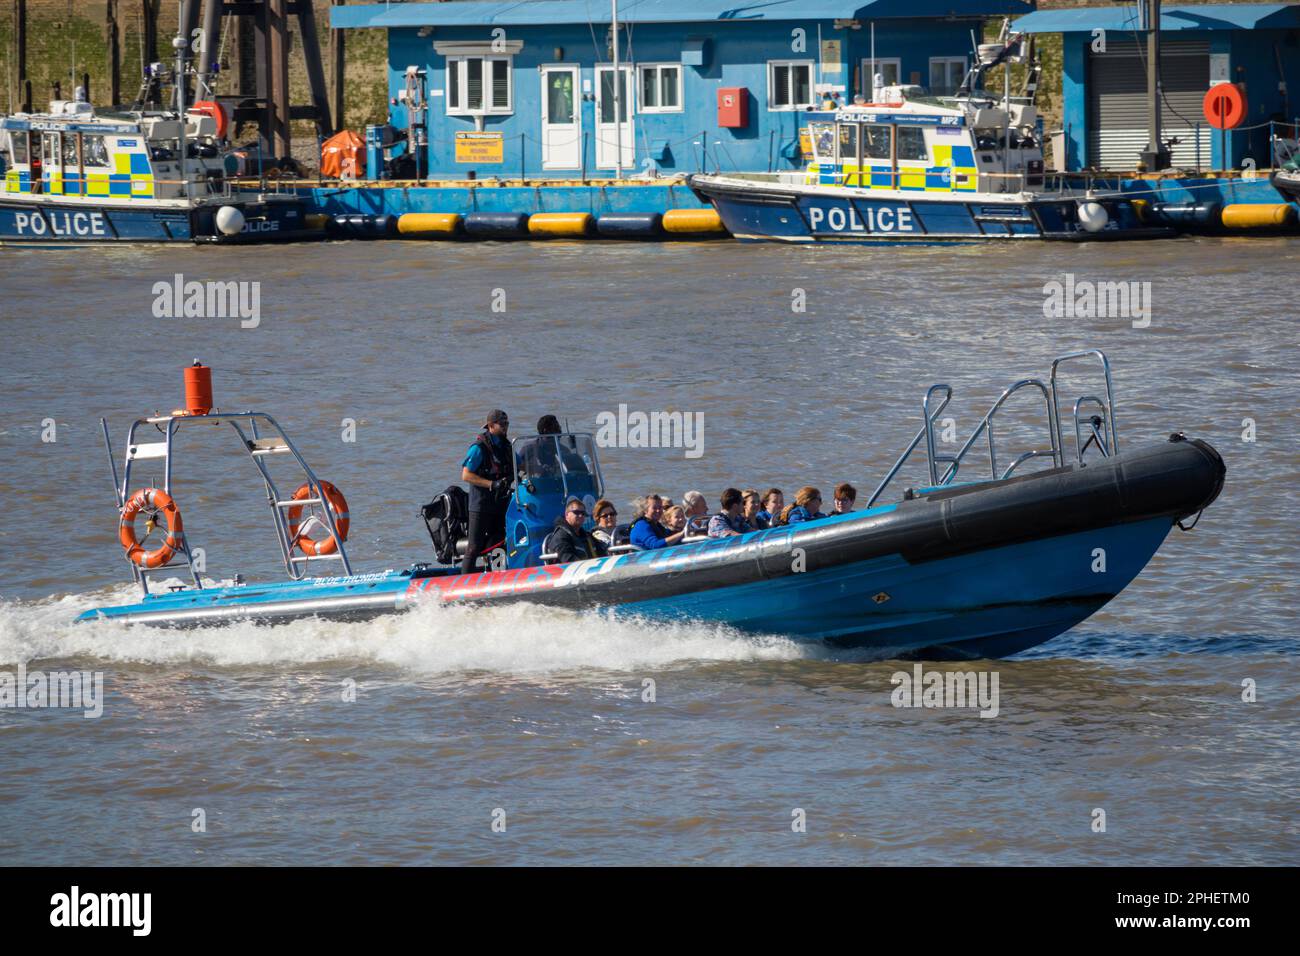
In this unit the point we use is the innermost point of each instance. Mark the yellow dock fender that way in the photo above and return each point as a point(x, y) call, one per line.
point(559, 224)
point(693, 221)
point(1257, 215)
point(428, 223)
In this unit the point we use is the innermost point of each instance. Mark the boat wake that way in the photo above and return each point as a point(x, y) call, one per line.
point(514, 639)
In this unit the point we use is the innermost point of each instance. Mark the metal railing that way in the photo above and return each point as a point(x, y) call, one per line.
point(263, 437)
point(1091, 413)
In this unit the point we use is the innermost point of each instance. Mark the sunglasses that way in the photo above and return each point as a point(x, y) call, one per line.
point(606, 514)
point(580, 514)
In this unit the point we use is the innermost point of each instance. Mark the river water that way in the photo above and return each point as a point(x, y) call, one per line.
point(542, 720)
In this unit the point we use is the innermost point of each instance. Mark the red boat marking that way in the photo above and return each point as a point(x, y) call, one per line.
point(450, 587)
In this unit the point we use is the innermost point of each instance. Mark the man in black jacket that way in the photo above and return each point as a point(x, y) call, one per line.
point(489, 470)
point(570, 541)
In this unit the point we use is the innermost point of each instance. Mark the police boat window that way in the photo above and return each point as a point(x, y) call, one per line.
point(875, 142)
point(18, 148)
point(911, 143)
point(823, 141)
point(93, 151)
point(50, 149)
point(69, 150)
point(848, 142)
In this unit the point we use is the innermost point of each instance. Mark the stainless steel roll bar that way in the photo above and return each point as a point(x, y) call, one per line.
point(261, 437)
point(1093, 413)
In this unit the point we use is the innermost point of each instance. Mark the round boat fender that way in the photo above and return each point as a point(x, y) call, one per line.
point(153, 501)
point(1093, 216)
point(230, 220)
point(338, 505)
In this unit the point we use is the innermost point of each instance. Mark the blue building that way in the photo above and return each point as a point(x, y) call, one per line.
point(1104, 122)
point(527, 89)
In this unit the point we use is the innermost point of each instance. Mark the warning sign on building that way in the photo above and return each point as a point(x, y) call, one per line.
point(480, 148)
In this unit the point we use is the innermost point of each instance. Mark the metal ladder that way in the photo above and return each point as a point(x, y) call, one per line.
point(1091, 413)
point(258, 446)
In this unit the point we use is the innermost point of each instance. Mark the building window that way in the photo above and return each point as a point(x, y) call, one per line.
point(479, 84)
point(661, 87)
point(789, 85)
point(946, 74)
point(889, 68)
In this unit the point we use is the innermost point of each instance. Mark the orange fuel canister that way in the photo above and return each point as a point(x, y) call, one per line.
point(733, 107)
point(198, 389)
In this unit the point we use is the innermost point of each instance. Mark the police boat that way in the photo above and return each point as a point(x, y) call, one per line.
point(976, 563)
point(913, 168)
point(74, 175)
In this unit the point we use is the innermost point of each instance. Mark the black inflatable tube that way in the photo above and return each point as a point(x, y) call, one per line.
point(1171, 480)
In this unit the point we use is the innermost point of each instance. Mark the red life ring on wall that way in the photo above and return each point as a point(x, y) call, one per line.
point(1224, 105)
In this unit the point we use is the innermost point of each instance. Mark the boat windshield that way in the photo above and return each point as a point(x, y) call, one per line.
point(560, 464)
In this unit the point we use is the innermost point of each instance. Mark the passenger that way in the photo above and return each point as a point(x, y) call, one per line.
point(489, 469)
point(647, 533)
point(697, 513)
point(728, 522)
point(570, 541)
point(548, 425)
point(807, 506)
point(696, 506)
point(845, 496)
point(674, 518)
point(750, 509)
point(606, 517)
point(773, 502)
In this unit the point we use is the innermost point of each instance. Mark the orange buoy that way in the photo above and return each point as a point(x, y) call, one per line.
point(217, 112)
point(153, 500)
point(1224, 105)
point(338, 505)
point(198, 389)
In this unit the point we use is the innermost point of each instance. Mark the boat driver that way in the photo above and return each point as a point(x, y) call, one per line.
point(489, 470)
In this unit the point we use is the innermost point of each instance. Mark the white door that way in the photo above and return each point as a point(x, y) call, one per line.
point(561, 118)
point(614, 138)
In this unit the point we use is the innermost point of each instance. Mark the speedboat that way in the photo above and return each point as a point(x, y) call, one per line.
point(984, 566)
point(913, 168)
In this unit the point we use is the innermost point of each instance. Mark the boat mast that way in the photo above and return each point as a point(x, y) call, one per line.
point(618, 126)
point(179, 44)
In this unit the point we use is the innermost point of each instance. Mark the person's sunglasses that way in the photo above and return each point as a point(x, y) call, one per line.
point(606, 514)
point(580, 514)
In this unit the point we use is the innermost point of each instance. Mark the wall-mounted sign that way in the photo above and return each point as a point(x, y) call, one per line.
point(474, 147)
point(831, 56)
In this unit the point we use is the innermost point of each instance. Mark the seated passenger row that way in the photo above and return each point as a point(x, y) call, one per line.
point(659, 524)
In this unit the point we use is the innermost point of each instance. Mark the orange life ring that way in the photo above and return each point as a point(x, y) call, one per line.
point(216, 111)
point(152, 500)
point(1224, 106)
point(337, 504)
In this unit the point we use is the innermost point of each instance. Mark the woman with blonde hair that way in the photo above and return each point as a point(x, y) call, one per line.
point(675, 518)
point(807, 506)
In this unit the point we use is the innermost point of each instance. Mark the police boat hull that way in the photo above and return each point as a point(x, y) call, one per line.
point(981, 569)
point(756, 210)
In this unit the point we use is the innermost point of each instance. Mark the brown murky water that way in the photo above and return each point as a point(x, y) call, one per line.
point(542, 714)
